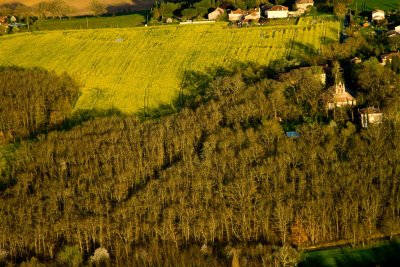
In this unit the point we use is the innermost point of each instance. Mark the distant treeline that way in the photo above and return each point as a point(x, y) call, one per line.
point(221, 172)
point(33, 100)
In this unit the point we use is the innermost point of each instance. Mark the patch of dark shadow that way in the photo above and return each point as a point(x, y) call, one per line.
point(307, 54)
point(326, 40)
point(82, 115)
point(196, 88)
point(138, 6)
point(281, 65)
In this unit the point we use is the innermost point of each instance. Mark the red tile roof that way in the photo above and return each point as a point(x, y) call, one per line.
point(237, 11)
point(278, 8)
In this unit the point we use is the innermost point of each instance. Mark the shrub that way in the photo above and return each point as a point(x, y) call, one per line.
point(100, 257)
point(70, 256)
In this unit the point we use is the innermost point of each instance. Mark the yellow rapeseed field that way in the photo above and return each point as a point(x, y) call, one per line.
point(121, 68)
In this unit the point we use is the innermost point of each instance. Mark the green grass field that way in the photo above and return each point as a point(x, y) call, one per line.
point(383, 254)
point(124, 68)
point(125, 21)
point(376, 4)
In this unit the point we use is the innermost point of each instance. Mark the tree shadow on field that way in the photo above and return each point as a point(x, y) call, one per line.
point(82, 115)
point(306, 54)
point(195, 87)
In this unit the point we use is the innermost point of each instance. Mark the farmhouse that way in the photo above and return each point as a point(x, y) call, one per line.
point(253, 14)
point(370, 115)
point(341, 97)
point(236, 15)
point(216, 13)
point(302, 5)
point(277, 12)
point(378, 15)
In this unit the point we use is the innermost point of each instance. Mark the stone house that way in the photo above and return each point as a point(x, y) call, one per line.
point(277, 12)
point(302, 5)
point(253, 14)
point(236, 15)
point(370, 115)
point(216, 13)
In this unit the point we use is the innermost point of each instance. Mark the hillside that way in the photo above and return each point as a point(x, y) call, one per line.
point(203, 184)
point(128, 69)
point(81, 7)
point(376, 4)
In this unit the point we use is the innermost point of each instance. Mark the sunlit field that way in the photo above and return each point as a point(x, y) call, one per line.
point(129, 68)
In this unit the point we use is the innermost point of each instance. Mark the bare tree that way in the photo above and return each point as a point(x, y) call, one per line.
point(97, 8)
point(283, 217)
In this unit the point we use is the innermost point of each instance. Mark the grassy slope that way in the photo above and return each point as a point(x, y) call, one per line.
point(150, 62)
point(377, 4)
point(384, 254)
point(125, 21)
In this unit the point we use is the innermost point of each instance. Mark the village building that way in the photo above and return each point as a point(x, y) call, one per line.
point(253, 14)
point(370, 115)
point(341, 97)
point(394, 32)
point(387, 58)
point(216, 13)
point(302, 5)
point(236, 15)
point(378, 15)
point(277, 12)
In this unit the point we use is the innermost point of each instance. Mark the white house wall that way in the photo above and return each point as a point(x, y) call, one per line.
point(277, 14)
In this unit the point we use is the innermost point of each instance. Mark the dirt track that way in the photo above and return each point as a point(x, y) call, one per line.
point(81, 7)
